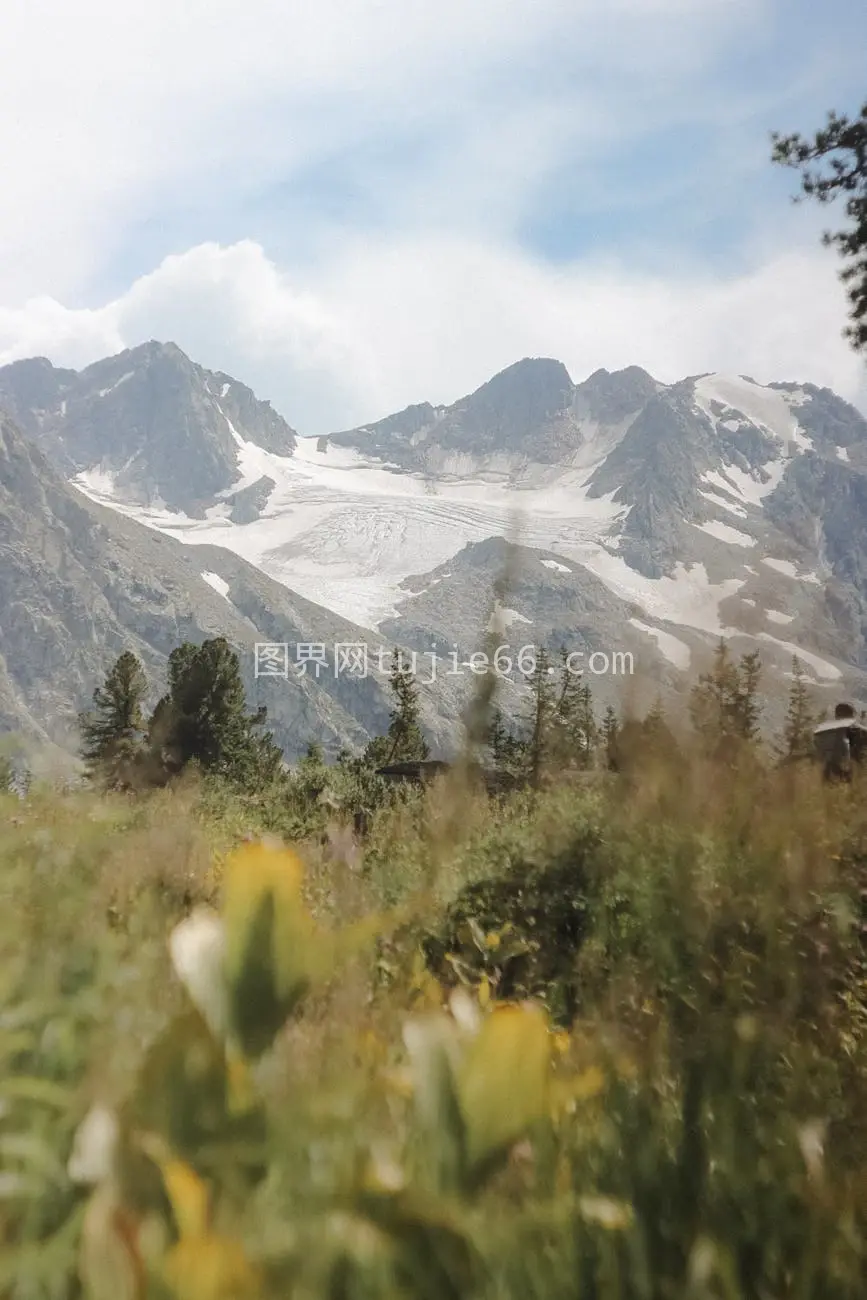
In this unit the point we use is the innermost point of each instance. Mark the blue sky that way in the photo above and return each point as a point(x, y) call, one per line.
point(364, 203)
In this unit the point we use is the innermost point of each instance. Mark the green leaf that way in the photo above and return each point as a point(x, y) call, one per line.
point(433, 1253)
point(42, 1092)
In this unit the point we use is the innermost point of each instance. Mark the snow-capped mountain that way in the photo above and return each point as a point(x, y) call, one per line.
point(648, 516)
point(80, 583)
point(160, 429)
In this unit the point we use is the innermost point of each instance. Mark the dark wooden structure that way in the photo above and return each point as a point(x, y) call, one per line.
point(414, 773)
point(423, 771)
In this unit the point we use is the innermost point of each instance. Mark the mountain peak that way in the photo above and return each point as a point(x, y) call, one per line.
point(29, 388)
point(532, 390)
point(540, 371)
point(613, 395)
point(34, 365)
point(161, 427)
point(146, 353)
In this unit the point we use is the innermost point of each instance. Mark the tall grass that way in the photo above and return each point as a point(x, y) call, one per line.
point(703, 1130)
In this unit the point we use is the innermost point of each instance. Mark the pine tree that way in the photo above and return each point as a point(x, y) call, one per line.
point(577, 731)
point(797, 738)
point(724, 705)
point(544, 710)
point(843, 144)
point(747, 709)
point(711, 700)
point(497, 738)
point(653, 721)
point(113, 731)
point(203, 717)
point(609, 734)
point(654, 734)
point(510, 754)
point(404, 741)
point(588, 725)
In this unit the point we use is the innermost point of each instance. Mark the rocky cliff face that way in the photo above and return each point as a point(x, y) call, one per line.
point(159, 427)
point(79, 584)
point(653, 518)
point(525, 412)
point(720, 506)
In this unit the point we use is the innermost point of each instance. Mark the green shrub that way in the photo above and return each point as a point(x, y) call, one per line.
point(284, 1100)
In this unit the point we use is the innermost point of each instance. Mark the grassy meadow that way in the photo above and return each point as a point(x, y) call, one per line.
point(602, 1039)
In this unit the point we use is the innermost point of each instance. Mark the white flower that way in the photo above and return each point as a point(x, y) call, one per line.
point(94, 1147)
point(811, 1139)
point(607, 1213)
point(197, 946)
point(465, 1011)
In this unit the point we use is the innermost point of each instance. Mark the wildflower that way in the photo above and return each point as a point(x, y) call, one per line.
point(503, 1083)
point(811, 1139)
point(94, 1148)
point(465, 1011)
point(201, 1265)
point(198, 948)
point(210, 1268)
point(609, 1214)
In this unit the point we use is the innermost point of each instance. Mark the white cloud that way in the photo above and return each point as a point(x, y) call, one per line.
point(430, 318)
point(116, 114)
point(123, 124)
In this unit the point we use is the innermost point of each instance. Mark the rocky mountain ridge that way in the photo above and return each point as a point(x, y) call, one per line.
point(649, 517)
point(159, 427)
point(79, 584)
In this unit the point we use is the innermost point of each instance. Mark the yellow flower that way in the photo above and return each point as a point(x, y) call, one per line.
point(273, 949)
point(259, 877)
point(201, 1265)
point(189, 1198)
point(210, 1268)
point(503, 1082)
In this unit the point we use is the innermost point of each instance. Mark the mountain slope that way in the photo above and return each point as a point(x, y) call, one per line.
point(713, 506)
point(150, 421)
point(79, 584)
point(541, 602)
point(525, 411)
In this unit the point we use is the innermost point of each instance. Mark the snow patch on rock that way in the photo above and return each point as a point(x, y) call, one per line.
point(219, 584)
point(725, 533)
point(677, 652)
